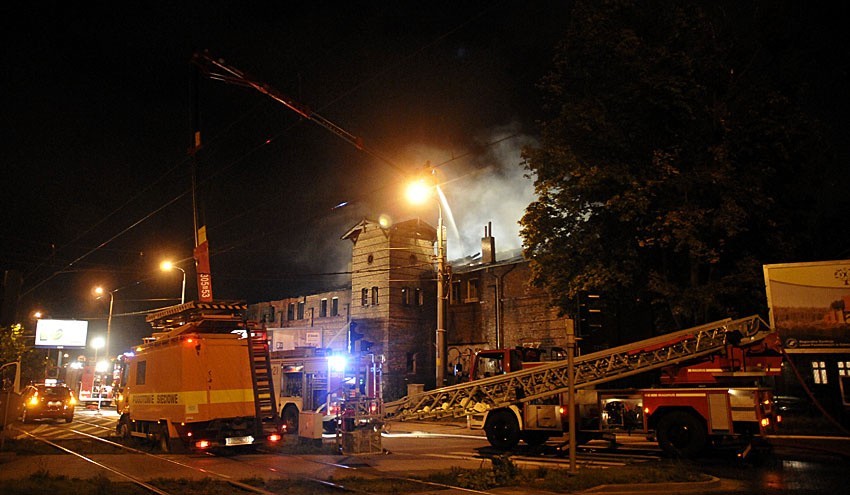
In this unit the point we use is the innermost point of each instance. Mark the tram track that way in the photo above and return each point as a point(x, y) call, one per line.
point(365, 472)
point(135, 479)
point(273, 465)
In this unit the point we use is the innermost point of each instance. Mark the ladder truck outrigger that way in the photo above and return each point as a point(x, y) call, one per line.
point(201, 381)
point(709, 394)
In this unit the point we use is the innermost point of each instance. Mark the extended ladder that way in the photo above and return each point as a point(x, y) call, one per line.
point(261, 375)
point(550, 379)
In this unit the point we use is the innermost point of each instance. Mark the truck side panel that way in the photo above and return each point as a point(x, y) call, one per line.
point(192, 379)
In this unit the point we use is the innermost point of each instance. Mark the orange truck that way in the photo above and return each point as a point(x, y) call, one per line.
point(200, 382)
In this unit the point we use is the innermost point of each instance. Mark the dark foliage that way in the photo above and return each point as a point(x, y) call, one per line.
point(687, 144)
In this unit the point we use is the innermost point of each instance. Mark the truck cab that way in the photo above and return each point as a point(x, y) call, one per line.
point(493, 362)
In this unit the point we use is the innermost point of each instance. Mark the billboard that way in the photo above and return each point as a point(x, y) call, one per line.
point(61, 333)
point(810, 304)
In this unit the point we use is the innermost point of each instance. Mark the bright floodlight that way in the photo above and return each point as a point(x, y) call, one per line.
point(336, 363)
point(418, 191)
point(101, 366)
point(97, 343)
point(166, 266)
point(99, 291)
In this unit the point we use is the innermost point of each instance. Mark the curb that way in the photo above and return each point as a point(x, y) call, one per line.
point(653, 488)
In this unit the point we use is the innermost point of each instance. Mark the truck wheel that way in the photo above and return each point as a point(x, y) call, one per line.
point(290, 419)
point(680, 434)
point(502, 430)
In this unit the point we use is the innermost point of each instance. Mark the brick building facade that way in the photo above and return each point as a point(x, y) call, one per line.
point(392, 302)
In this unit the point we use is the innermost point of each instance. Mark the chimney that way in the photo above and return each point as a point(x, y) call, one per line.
point(488, 245)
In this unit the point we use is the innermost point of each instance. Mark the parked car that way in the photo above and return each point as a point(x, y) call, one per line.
point(53, 401)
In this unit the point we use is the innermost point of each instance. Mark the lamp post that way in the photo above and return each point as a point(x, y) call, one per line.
point(417, 192)
point(99, 291)
point(441, 297)
point(168, 266)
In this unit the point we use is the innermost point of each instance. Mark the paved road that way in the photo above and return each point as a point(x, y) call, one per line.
point(802, 464)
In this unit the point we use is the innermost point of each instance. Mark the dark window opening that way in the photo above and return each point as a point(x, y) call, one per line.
point(141, 370)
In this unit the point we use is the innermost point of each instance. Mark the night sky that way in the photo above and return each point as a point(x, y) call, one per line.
point(97, 112)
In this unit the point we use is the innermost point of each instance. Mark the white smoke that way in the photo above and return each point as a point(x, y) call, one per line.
point(488, 186)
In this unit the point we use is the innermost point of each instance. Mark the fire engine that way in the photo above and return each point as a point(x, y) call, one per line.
point(201, 381)
point(319, 379)
point(95, 387)
point(709, 392)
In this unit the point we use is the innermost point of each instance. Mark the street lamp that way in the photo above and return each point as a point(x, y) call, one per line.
point(418, 192)
point(166, 266)
point(100, 291)
point(97, 344)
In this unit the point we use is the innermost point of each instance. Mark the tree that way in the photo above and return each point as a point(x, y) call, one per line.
point(676, 157)
point(13, 346)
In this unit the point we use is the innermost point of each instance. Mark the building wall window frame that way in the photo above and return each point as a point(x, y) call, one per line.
point(819, 372)
point(472, 290)
point(323, 308)
point(405, 296)
point(335, 306)
point(455, 292)
point(290, 312)
point(419, 297)
point(364, 296)
point(375, 296)
point(410, 366)
point(300, 310)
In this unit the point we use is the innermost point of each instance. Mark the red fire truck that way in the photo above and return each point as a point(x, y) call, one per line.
point(96, 386)
point(318, 379)
point(709, 392)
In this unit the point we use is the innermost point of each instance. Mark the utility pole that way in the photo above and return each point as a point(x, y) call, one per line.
point(571, 386)
point(441, 293)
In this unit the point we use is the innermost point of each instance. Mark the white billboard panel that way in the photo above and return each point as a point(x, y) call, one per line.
point(61, 333)
point(810, 303)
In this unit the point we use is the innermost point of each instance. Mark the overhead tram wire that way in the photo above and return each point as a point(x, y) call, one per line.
point(177, 166)
point(103, 244)
point(327, 124)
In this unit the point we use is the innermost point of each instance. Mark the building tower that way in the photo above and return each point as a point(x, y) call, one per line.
point(393, 311)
